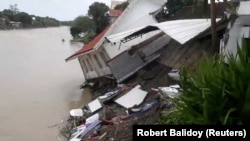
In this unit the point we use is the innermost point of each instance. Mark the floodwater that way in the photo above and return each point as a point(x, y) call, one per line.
point(37, 87)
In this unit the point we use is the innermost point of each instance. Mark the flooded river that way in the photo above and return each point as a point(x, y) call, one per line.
point(37, 87)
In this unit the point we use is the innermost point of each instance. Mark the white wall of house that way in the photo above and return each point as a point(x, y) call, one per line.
point(136, 15)
point(240, 29)
point(94, 64)
point(115, 49)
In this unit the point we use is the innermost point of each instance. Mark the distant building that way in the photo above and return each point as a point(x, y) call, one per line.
point(114, 14)
point(114, 3)
point(2, 21)
point(13, 24)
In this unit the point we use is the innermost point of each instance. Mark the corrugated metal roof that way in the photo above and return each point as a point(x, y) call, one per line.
point(180, 30)
point(178, 56)
point(148, 7)
point(94, 105)
point(244, 8)
point(132, 98)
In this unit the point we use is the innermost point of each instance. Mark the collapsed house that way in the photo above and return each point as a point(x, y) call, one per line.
point(178, 43)
point(189, 40)
point(190, 37)
point(99, 58)
point(136, 39)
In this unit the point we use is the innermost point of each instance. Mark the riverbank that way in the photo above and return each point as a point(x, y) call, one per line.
point(117, 121)
point(15, 28)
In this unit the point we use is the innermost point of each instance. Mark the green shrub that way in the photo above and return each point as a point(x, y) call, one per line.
point(217, 93)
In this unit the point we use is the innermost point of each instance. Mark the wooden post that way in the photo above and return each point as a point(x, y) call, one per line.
point(213, 27)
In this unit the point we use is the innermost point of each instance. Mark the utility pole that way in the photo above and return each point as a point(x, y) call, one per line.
point(215, 47)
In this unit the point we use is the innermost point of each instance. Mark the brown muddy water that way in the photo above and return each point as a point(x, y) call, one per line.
point(37, 87)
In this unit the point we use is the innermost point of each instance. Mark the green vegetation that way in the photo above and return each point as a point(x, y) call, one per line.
point(97, 12)
point(82, 24)
point(122, 6)
point(92, 24)
point(85, 28)
point(44, 22)
point(217, 93)
point(173, 6)
point(27, 21)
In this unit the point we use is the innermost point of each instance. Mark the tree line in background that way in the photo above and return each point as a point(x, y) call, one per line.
point(85, 28)
point(13, 15)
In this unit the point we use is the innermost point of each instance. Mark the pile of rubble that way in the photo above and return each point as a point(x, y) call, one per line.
point(112, 114)
point(114, 119)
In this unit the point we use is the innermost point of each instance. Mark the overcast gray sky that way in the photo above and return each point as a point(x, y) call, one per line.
point(62, 10)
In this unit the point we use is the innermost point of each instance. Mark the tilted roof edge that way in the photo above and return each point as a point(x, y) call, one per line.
point(102, 39)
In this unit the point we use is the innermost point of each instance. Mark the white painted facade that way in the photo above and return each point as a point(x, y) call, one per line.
point(240, 29)
point(136, 15)
point(94, 64)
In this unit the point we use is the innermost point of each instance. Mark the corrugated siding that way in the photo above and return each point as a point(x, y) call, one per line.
point(178, 56)
point(180, 30)
point(124, 64)
point(184, 30)
point(156, 45)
